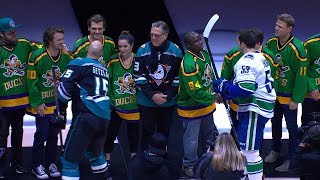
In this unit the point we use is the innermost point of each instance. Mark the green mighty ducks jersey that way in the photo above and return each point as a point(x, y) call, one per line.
point(40, 79)
point(233, 56)
point(292, 58)
point(122, 89)
point(13, 66)
point(312, 46)
point(80, 48)
point(195, 98)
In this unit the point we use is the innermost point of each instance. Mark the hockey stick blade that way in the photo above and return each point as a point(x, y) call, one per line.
point(210, 24)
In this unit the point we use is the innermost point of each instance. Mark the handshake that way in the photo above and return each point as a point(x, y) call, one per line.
point(221, 86)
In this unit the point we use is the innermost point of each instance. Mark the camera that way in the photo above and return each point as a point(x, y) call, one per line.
point(305, 135)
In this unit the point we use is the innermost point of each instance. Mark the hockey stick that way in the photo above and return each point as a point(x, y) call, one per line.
point(53, 69)
point(206, 33)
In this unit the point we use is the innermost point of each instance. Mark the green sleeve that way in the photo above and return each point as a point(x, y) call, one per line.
point(35, 97)
point(227, 68)
point(300, 86)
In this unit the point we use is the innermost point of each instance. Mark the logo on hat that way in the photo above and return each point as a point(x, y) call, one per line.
point(12, 24)
point(7, 24)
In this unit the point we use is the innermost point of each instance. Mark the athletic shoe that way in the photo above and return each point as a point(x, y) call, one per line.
point(40, 173)
point(2, 174)
point(272, 157)
point(19, 168)
point(53, 170)
point(284, 167)
point(188, 171)
point(108, 174)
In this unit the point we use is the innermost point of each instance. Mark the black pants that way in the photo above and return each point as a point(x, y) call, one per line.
point(15, 120)
point(44, 155)
point(87, 134)
point(154, 119)
point(309, 106)
point(113, 129)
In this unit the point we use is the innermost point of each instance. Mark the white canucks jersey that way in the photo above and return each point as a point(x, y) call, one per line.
point(253, 74)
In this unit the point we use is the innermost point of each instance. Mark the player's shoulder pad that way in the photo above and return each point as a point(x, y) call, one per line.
point(189, 65)
point(36, 55)
point(109, 40)
point(298, 49)
point(175, 50)
point(143, 50)
point(312, 39)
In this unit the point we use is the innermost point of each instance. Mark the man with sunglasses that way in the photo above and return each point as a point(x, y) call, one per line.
point(156, 72)
point(14, 54)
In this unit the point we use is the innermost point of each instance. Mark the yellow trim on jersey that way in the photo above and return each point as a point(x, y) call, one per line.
point(39, 57)
point(129, 117)
point(232, 56)
point(109, 41)
point(311, 40)
point(283, 46)
point(49, 110)
point(233, 106)
point(189, 74)
point(284, 100)
point(297, 52)
point(112, 61)
point(81, 47)
point(7, 103)
point(194, 113)
point(270, 59)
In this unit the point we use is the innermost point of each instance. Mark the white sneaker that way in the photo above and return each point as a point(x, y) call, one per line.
point(40, 172)
point(53, 170)
point(272, 157)
point(284, 167)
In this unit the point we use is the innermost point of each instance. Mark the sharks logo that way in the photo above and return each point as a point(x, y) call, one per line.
point(160, 74)
point(13, 66)
point(207, 75)
point(126, 84)
point(49, 78)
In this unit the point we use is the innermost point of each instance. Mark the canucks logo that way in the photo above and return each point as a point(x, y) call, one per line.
point(126, 84)
point(13, 66)
point(49, 78)
point(160, 74)
point(207, 75)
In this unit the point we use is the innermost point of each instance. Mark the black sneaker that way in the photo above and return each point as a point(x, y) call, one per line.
point(19, 168)
point(40, 173)
point(108, 174)
point(2, 174)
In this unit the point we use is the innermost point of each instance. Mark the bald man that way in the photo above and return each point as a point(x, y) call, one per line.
point(88, 131)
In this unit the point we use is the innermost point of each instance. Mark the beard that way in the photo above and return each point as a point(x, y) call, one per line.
point(7, 42)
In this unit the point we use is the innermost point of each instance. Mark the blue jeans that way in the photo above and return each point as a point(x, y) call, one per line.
point(291, 122)
point(193, 128)
point(45, 133)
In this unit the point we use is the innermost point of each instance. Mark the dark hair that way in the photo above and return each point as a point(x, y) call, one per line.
point(96, 18)
point(259, 35)
point(49, 33)
point(125, 35)
point(287, 18)
point(164, 26)
point(188, 36)
point(248, 37)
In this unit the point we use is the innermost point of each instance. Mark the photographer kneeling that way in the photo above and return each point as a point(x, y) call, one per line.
point(306, 160)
